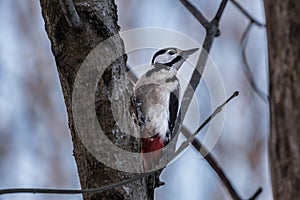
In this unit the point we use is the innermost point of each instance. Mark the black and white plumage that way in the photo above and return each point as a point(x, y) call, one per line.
point(156, 97)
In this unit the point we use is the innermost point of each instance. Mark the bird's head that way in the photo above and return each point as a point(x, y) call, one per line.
point(172, 57)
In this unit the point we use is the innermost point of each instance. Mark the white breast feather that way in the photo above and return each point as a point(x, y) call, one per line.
point(157, 112)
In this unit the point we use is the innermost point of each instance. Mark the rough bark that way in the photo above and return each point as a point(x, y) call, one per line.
point(70, 46)
point(283, 28)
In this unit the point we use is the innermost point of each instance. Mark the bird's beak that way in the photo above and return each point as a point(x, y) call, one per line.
point(186, 53)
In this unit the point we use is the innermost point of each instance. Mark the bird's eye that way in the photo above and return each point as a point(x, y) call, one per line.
point(171, 52)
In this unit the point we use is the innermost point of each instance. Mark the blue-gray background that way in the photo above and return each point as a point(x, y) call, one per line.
point(35, 144)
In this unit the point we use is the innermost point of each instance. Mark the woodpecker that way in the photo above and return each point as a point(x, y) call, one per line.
point(156, 101)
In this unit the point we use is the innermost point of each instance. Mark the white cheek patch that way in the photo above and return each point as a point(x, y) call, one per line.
point(165, 58)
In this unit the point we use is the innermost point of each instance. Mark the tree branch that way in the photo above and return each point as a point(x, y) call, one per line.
point(243, 10)
point(256, 194)
point(211, 32)
point(218, 110)
point(73, 191)
point(244, 42)
point(249, 75)
point(192, 137)
point(220, 10)
point(196, 13)
point(216, 167)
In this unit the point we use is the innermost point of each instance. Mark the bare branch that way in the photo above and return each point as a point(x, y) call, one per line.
point(244, 42)
point(256, 194)
point(212, 162)
point(249, 74)
point(243, 10)
point(196, 13)
point(220, 10)
point(72, 191)
point(218, 110)
point(70, 13)
point(216, 167)
point(211, 32)
point(192, 137)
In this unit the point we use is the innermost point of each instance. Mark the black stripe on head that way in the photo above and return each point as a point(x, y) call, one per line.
point(173, 61)
point(157, 54)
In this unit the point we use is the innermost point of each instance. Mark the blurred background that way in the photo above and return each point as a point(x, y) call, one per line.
point(35, 143)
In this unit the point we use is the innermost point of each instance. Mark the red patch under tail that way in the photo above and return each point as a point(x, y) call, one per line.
point(151, 151)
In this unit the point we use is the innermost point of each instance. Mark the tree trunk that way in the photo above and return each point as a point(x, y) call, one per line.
point(283, 26)
point(70, 47)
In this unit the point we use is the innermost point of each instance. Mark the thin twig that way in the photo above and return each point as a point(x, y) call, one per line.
point(218, 110)
point(72, 191)
point(196, 13)
point(192, 137)
point(208, 156)
point(246, 13)
point(212, 162)
point(244, 42)
point(70, 13)
point(249, 74)
point(256, 194)
point(216, 167)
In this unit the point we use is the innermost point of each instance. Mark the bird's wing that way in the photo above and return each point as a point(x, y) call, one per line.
point(173, 109)
point(144, 96)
